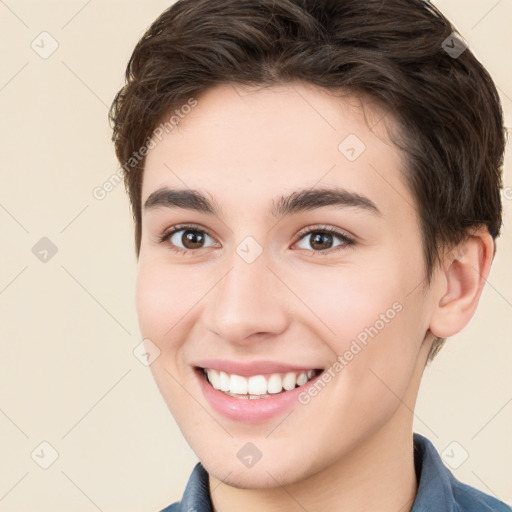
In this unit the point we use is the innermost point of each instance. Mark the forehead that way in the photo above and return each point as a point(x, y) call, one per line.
point(253, 144)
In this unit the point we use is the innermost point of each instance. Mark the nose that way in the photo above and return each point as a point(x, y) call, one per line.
point(247, 301)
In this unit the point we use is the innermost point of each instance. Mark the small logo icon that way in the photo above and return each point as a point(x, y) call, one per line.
point(351, 147)
point(44, 250)
point(45, 455)
point(454, 455)
point(249, 249)
point(146, 352)
point(249, 455)
point(44, 45)
point(454, 45)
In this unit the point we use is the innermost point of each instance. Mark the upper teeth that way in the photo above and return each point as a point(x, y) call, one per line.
point(257, 384)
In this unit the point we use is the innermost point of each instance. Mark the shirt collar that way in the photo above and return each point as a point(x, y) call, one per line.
point(434, 478)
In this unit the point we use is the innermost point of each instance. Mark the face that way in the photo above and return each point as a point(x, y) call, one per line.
point(295, 283)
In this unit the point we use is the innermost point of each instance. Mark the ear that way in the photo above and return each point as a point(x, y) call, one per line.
point(464, 273)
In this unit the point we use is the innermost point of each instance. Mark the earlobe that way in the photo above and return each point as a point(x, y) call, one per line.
point(464, 274)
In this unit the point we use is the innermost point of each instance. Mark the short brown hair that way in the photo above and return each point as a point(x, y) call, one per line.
point(394, 51)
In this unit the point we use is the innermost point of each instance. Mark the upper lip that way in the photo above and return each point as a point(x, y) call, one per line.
point(247, 369)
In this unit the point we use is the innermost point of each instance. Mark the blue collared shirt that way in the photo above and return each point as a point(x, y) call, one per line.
point(438, 489)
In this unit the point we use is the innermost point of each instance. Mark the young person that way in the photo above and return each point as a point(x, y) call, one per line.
point(316, 193)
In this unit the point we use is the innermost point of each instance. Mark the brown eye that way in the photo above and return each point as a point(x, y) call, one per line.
point(192, 239)
point(323, 239)
point(185, 239)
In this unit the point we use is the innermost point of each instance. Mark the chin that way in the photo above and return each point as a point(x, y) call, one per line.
point(254, 478)
point(269, 474)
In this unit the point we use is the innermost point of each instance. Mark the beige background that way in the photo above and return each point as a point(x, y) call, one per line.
point(68, 325)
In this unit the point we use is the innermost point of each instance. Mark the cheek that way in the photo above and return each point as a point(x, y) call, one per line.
point(369, 318)
point(165, 298)
point(164, 304)
point(154, 301)
point(348, 300)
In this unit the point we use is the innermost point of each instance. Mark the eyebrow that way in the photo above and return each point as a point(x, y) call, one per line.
point(295, 202)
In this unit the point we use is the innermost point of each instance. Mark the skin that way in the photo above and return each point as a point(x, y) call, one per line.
point(350, 448)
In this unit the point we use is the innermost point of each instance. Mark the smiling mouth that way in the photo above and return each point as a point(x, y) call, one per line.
point(257, 386)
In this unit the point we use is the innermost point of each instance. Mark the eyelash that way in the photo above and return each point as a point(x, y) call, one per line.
point(347, 241)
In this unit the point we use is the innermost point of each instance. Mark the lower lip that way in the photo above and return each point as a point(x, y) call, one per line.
point(250, 410)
